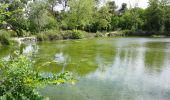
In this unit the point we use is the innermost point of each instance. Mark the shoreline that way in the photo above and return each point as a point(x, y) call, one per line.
point(86, 35)
point(31, 39)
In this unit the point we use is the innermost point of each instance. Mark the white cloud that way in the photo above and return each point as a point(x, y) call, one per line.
point(141, 3)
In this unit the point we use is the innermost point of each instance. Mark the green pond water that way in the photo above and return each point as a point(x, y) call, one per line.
point(106, 69)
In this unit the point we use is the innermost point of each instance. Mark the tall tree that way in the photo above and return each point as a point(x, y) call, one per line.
point(39, 16)
point(155, 16)
point(13, 14)
point(64, 4)
point(79, 14)
point(102, 19)
point(52, 4)
point(165, 5)
point(112, 6)
point(123, 8)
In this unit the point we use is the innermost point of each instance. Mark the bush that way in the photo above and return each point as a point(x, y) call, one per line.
point(73, 34)
point(127, 32)
point(49, 35)
point(18, 79)
point(99, 34)
point(12, 33)
point(77, 34)
point(23, 33)
point(53, 35)
point(50, 32)
point(42, 37)
point(65, 34)
point(4, 37)
point(56, 35)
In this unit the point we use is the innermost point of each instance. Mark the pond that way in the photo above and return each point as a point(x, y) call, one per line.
point(106, 68)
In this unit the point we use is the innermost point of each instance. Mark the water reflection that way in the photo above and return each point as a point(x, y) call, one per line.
point(107, 69)
point(122, 74)
point(6, 51)
point(32, 48)
point(156, 56)
point(60, 58)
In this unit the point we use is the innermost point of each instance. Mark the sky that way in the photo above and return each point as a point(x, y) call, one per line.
point(141, 3)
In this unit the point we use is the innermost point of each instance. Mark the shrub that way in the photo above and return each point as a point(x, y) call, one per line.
point(77, 34)
point(50, 32)
point(42, 37)
point(99, 34)
point(73, 34)
point(12, 33)
point(56, 35)
point(66, 34)
point(4, 37)
point(48, 35)
point(18, 80)
point(53, 35)
point(127, 32)
point(23, 33)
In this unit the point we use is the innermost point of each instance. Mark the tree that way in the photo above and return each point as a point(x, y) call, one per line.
point(154, 16)
point(52, 4)
point(137, 16)
point(39, 17)
point(12, 14)
point(132, 19)
point(3, 13)
point(115, 20)
point(123, 8)
point(167, 20)
point(112, 6)
point(79, 14)
point(102, 19)
point(126, 21)
point(165, 4)
point(64, 4)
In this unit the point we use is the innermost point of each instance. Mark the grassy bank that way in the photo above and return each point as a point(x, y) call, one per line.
point(52, 35)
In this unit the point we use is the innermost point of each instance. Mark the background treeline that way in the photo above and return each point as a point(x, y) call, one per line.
point(36, 16)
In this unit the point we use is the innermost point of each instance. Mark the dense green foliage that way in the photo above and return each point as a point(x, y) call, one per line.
point(79, 15)
point(18, 80)
point(4, 37)
point(59, 35)
point(38, 16)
